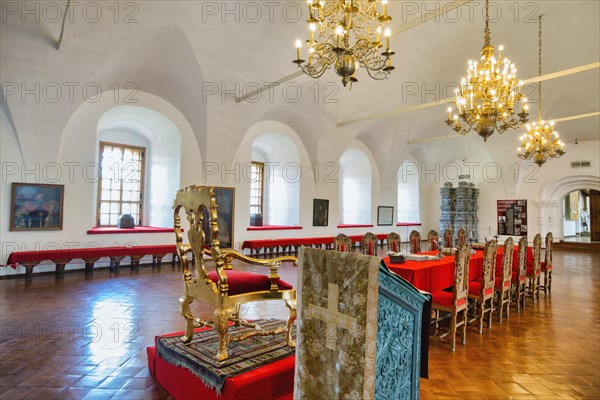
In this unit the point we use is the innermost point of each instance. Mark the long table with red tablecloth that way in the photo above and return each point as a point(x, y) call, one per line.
point(30, 259)
point(437, 275)
point(291, 245)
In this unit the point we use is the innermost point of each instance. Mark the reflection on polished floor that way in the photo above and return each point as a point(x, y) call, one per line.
point(85, 337)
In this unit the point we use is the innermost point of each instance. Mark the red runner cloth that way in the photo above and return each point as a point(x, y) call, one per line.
point(28, 257)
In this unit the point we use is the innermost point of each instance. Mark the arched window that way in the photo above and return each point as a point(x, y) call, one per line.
point(128, 138)
point(408, 193)
point(275, 181)
point(355, 170)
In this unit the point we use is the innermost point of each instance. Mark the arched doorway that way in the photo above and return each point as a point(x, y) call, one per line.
point(576, 216)
point(551, 204)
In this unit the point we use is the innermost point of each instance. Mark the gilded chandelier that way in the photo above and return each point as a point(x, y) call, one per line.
point(487, 98)
point(349, 36)
point(541, 141)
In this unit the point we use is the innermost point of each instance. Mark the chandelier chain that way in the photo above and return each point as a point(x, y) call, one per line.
point(540, 64)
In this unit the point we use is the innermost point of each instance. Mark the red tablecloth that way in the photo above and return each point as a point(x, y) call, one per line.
point(435, 275)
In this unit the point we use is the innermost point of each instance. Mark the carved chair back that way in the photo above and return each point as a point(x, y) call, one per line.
point(393, 241)
point(342, 243)
point(537, 252)
point(369, 244)
point(461, 236)
point(415, 241)
point(549, 248)
point(460, 291)
point(489, 268)
point(522, 258)
point(448, 238)
point(433, 238)
point(507, 260)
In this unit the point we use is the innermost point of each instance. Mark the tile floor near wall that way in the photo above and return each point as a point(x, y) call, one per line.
point(84, 337)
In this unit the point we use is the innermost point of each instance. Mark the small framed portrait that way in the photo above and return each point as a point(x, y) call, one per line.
point(320, 212)
point(385, 215)
point(36, 207)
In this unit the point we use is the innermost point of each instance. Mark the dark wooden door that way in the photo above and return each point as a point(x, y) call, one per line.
point(595, 215)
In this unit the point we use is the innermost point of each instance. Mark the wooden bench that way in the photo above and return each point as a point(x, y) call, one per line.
point(29, 259)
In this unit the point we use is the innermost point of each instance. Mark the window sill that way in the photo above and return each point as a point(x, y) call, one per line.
point(408, 224)
point(355, 225)
point(105, 230)
point(272, 227)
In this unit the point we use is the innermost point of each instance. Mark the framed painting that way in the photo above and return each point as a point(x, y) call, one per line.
point(385, 215)
point(36, 207)
point(320, 212)
point(226, 201)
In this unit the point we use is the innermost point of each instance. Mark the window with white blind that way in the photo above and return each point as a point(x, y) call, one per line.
point(121, 183)
point(257, 180)
point(355, 169)
point(408, 193)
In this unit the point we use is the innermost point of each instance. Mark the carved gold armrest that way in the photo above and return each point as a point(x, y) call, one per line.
point(272, 263)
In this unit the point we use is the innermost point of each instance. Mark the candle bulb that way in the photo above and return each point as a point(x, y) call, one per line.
point(449, 113)
point(388, 33)
point(312, 27)
point(384, 3)
point(338, 32)
point(298, 46)
point(378, 36)
point(310, 3)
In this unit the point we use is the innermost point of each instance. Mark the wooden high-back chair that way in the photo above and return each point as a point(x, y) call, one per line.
point(534, 272)
point(434, 240)
point(503, 282)
point(461, 236)
point(519, 277)
point(369, 244)
point(393, 242)
point(342, 243)
point(483, 292)
point(415, 241)
point(455, 302)
point(546, 266)
point(448, 238)
point(224, 288)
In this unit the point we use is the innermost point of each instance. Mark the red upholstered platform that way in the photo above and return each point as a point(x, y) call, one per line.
point(274, 381)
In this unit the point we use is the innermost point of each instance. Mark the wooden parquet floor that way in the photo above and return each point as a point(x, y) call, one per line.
point(84, 337)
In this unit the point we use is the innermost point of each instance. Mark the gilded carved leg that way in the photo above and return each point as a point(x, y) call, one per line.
point(221, 316)
point(186, 312)
point(291, 304)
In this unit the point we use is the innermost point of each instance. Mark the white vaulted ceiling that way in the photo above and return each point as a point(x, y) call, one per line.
point(179, 49)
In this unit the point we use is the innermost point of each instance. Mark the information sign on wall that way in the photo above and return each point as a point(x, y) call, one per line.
point(512, 217)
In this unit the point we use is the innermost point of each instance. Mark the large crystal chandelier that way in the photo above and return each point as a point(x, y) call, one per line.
point(349, 35)
point(541, 141)
point(487, 98)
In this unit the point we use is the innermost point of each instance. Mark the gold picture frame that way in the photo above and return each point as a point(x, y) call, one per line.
point(225, 197)
point(36, 207)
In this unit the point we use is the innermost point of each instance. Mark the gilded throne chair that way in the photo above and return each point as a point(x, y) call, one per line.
point(224, 288)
